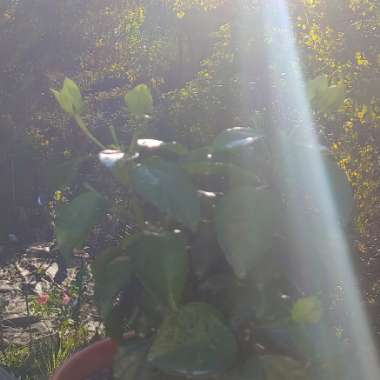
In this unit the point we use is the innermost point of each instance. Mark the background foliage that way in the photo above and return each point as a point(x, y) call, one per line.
point(204, 79)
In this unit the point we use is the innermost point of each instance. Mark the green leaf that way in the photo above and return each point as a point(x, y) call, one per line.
point(196, 155)
point(263, 302)
point(269, 367)
point(235, 138)
point(160, 262)
point(278, 367)
point(221, 169)
point(247, 153)
point(112, 272)
point(63, 172)
point(119, 164)
point(64, 101)
point(317, 86)
point(251, 369)
point(75, 221)
point(139, 101)
point(72, 91)
point(245, 223)
point(164, 185)
point(69, 97)
point(206, 168)
point(105, 257)
point(307, 310)
point(325, 98)
point(115, 323)
point(193, 342)
point(152, 307)
point(333, 98)
point(318, 342)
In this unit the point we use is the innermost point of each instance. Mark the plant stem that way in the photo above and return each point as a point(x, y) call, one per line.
point(89, 187)
point(132, 145)
point(136, 134)
point(133, 317)
point(114, 135)
point(86, 131)
point(28, 315)
point(79, 284)
point(137, 210)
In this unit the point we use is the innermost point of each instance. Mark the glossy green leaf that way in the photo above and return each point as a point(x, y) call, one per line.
point(269, 367)
point(235, 138)
point(245, 223)
point(160, 262)
point(264, 303)
point(250, 369)
point(63, 172)
point(75, 220)
point(194, 341)
point(105, 257)
point(307, 310)
point(226, 169)
point(196, 155)
point(139, 101)
point(278, 367)
point(151, 306)
point(164, 185)
point(111, 272)
point(205, 168)
point(114, 323)
point(245, 154)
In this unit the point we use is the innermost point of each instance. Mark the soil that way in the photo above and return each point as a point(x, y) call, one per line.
point(26, 271)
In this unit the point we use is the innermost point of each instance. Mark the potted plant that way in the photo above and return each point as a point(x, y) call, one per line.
point(203, 286)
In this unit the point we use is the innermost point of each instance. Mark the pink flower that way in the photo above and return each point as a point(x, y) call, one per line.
point(42, 299)
point(66, 299)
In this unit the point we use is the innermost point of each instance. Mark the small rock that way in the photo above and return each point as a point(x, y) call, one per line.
point(38, 248)
point(52, 271)
point(6, 287)
point(20, 322)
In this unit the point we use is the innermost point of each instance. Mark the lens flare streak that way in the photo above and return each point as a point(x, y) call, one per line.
point(284, 60)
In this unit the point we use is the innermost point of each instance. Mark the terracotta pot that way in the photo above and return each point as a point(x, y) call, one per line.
point(88, 361)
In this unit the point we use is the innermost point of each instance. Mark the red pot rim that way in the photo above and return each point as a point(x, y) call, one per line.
point(86, 362)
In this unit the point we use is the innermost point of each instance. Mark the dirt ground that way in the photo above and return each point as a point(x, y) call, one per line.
point(26, 272)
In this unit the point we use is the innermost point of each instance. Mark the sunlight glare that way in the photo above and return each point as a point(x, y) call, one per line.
point(284, 60)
